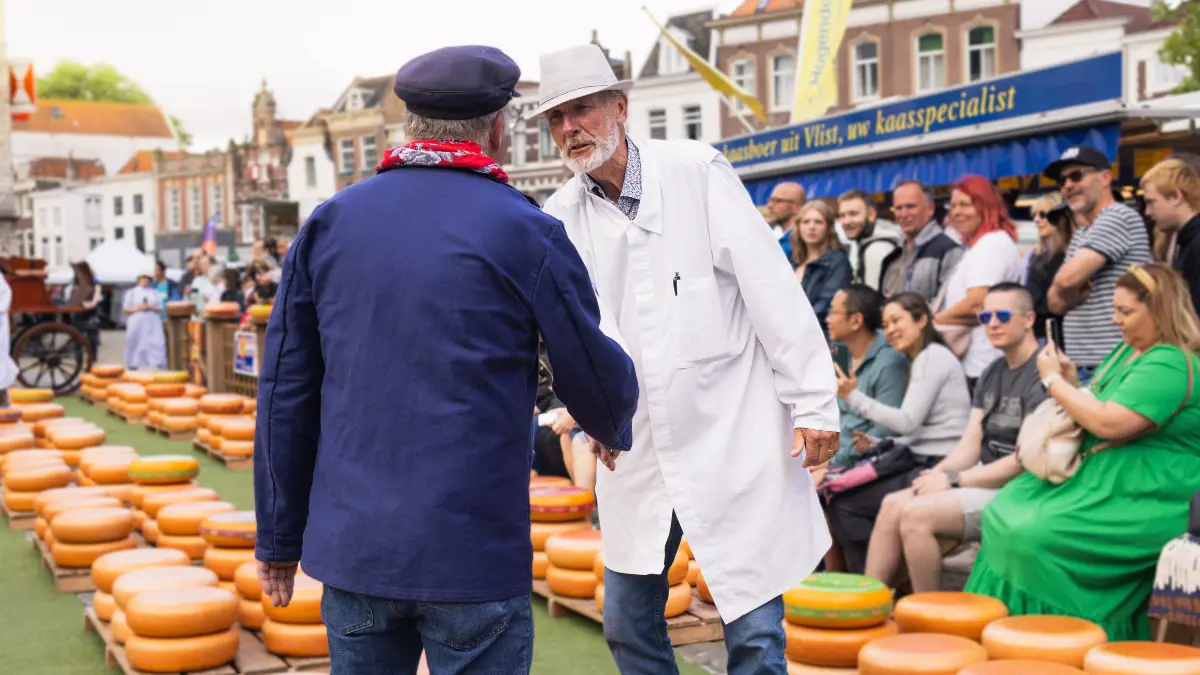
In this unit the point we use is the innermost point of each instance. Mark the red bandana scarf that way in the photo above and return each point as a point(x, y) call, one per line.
point(447, 154)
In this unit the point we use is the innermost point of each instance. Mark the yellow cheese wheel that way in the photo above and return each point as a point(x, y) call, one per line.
point(10, 415)
point(110, 470)
point(794, 668)
point(600, 597)
point(32, 412)
point(181, 612)
point(151, 532)
point(1142, 658)
point(574, 550)
point(237, 429)
point(171, 376)
point(25, 464)
point(838, 600)
point(17, 440)
point(105, 451)
point(540, 564)
point(152, 503)
point(136, 409)
point(1061, 639)
point(48, 496)
point(77, 556)
point(178, 423)
point(560, 503)
point(180, 406)
point(598, 567)
point(107, 370)
point(693, 573)
point(131, 583)
point(832, 647)
point(679, 598)
point(305, 605)
point(164, 469)
point(194, 390)
point(40, 526)
point(202, 433)
point(677, 572)
point(139, 518)
point(38, 478)
point(249, 405)
point(120, 491)
point(239, 449)
point(92, 526)
point(40, 427)
point(222, 309)
point(919, 654)
point(174, 655)
point(119, 627)
point(16, 395)
point(86, 482)
point(225, 561)
point(298, 640)
point(702, 589)
point(140, 492)
point(245, 579)
point(104, 605)
point(183, 519)
point(128, 392)
point(260, 311)
point(54, 508)
point(48, 538)
point(20, 502)
point(686, 548)
point(16, 457)
point(251, 614)
point(141, 377)
point(164, 390)
point(110, 566)
point(230, 530)
point(194, 547)
point(948, 612)
point(548, 481)
point(223, 404)
point(1019, 667)
point(571, 583)
point(76, 437)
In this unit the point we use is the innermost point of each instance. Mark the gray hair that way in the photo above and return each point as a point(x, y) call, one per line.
point(930, 197)
point(476, 129)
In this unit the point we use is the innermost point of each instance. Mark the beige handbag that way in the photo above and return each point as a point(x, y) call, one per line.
point(957, 338)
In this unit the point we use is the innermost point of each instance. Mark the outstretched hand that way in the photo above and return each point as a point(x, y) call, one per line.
point(818, 446)
point(277, 579)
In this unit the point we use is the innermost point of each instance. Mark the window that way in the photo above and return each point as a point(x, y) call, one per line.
point(310, 172)
point(58, 216)
point(931, 62)
point(60, 256)
point(41, 218)
point(174, 214)
point(658, 124)
point(546, 146)
point(218, 201)
point(118, 206)
point(783, 81)
point(93, 242)
point(118, 233)
point(742, 72)
point(368, 153)
point(691, 122)
point(670, 60)
point(981, 53)
point(249, 225)
point(346, 146)
point(137, 205)
point(197, 220)
point(866, 71)
point(517, 148)
point(139, 238)
point(45, 253)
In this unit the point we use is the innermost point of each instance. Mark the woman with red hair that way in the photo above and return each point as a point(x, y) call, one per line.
point(979, 215)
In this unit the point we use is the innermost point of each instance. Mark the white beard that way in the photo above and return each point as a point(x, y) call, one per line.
point(602, 150)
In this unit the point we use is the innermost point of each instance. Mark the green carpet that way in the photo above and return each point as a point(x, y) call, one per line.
point(43, 631)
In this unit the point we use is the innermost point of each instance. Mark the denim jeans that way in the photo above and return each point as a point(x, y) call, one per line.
point(636, 630)
point(376, 636)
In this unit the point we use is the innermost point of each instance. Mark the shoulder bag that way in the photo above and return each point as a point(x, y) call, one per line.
point(957, 338)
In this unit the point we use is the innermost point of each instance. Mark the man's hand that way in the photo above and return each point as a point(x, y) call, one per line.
point(606, 456)
point(862, 442)
point(563, 423)
point(818, 446)
point(931, 481)
point(277, 579)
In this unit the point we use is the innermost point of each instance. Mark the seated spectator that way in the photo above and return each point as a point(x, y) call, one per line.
point(929, 420)
point(551, 444)
point(1056, 225)
point(1088, 547)
point(945, 503)
point(821, 264)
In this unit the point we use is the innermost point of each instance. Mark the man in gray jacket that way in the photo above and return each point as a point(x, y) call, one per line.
point(928, 256)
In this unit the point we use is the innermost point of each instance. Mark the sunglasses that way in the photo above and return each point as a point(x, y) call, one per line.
point(1075, 176)
point(1003, 316)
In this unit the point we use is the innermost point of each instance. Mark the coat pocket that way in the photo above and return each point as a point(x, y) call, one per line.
point(700, 325)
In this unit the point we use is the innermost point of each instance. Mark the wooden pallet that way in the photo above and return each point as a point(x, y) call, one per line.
point(129, 419)
point(18, 520)
point(69, 579)
point(701, 622)
point(231, 463)
point(167, 433)
point(89, 400)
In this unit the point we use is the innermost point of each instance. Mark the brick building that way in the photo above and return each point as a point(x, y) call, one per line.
point(366, 120)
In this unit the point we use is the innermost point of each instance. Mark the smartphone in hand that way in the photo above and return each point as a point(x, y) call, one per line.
point(841, 356)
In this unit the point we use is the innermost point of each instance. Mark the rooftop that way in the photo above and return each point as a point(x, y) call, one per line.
point(143, 161)
point(1140, 18)
point(99, 118)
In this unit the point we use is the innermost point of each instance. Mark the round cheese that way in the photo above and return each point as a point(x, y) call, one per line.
point(245, 579)
point(202, 433)
point(794, 668)
point(677, 572)
point(40, 526)
point(222, 309)
point(919, 654)
point(131, 583)
point(557, 504)
point(574, 550)
point(181, 406)
point(571, 583)
point(251, 614)
point(104, 605)
point(49, 539)
point(32, 412)
point(222, 404)
point(128, 392)
point(549, 481)
point(838, 600)
point(230, 530)
point(171, 376)
point(153, 502)
point(598, 567)
point(259, 311)
point(1019, 667)
point(236, 429)
point(1142, 658)
point(174, 655)
point(140, 492)
point(702, 590)
point(600, 598)
point(178, 423)
point(1061, 639)
point(40, 427)
point(151, 532)
point(141, 377)
point(304, 606)
point(948, 612)
point(249, 405)
point(686, 548)
point(110, 566)
point(76, 556)
point(679, 598)
point(86, 482)
point(52, 509)
point(10, 415)
point(225, 561)
point(194, 547)
point(38, 478)
point(194, 390)
point(136, 409)
point(119, 491)
point(107, 370)
point(164, 390)
point(102, 452)
point(164, 469)
point(139, 518)
point(76, 437)
point(110, 470)
point(120, 628)
point(92, 526)
point(540, 532)
point(19, 501)
point(693, 573)
point(238, 449)
point(48, 496)
point(540, 564)
point(18, 440)
point(16, 457)
point(181, 612)
point(25, 464)
point(303, 640)
point(16, 395)
point(183, 519)
point(832, 647)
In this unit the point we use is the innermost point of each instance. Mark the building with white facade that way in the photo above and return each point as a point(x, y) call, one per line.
point(66, 224)
point(129, 208)
point(311, 172)
point(669, 99)
point(107, 132)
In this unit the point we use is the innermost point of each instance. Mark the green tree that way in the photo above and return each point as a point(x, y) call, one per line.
point(1182, 47)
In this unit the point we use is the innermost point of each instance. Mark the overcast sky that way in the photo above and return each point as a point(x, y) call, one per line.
point(203, 61)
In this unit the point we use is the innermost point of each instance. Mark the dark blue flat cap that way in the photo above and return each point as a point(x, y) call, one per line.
point(458, 83)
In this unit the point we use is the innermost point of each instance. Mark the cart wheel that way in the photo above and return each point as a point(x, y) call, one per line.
point(52, 356)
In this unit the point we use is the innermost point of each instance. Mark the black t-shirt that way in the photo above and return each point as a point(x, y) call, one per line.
point(1006, 396)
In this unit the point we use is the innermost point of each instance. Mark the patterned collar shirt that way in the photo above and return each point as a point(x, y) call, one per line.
point(631, 191)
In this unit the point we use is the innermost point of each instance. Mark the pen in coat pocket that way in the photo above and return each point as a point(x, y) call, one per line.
point(675, 284)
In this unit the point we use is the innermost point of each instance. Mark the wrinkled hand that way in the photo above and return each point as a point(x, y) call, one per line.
point(845, 384)
point(563, 423)
point(277, 579)
point(607, 456)
point(818, 446)
point(931, 481)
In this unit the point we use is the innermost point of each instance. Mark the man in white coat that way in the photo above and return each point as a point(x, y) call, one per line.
point(737, 382)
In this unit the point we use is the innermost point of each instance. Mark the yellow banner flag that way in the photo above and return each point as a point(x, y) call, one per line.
point(821, 32)
point(715, 78)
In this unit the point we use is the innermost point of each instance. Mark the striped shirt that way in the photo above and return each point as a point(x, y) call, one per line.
point(1120, 236)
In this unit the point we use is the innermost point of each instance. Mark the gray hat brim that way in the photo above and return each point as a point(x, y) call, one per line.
point(622, 86)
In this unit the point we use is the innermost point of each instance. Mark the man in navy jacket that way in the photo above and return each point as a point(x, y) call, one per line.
point(397, 383)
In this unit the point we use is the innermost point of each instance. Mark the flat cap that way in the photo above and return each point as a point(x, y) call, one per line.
point(458, 83)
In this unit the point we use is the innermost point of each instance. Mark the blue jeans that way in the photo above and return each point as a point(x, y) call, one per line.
point(376, 636)
point(636, 630)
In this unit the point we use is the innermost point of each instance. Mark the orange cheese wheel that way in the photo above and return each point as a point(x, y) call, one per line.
point(251, 614)
point(1142, 658)
point(16, 395)
point(203, 434)
point(832, 647)
point(110, 566)
point(540, 564)
point(32, 412)
point(686, 548)
point(677, 572)
point(119, 627)
point(18, 440)
point(838, 600)
point(245, 579)
point(49, 539)
point(557, 504)
point(223, 404)
point(702, 589)
point(139, 518)
point(92, 526)
point(107, 370)
point(16, 457)
point(194, 390)
point(156, 578)
point(305, 605)
point(86, 482)
point(183, 519)
point(105, 451)
point(303, 640)
point(171, 377)
point(104, 605)
point(48, 496)
point(20, 502)
point(249, 405)
point(76, 437)
point(77, 556)
point(40, 427)
point(574, 550)
point(10, 415)
point(25, 464)
point(1061, 639)
point(54, 508)
point(237, 429)
point(140, 492)
point(222, 309)
point(128, 392)
point(598, 567)
point(919, 654)
point(110, 470)
point(600, 597)
point(40, 526)
point(231, 530)
point(152, 503)
point(548, 481)
point(180, 406)
point(194, 547)
point(150, 531)
point(114, 402)
point(571, 583)
point(138, 377)
point(38, 478)
point(679, 598)
point(119, 491)
point(174, 655)
point(213, 421)
point(164, 390)
point(181, 612)
point(948, 612)
point(136, 409)
point(239, 449)
point(164, 469)
point(215, 442)
point(1019, 667)
point(225, 561)
point(693, 574)
point(178, 423)
point(794, 668)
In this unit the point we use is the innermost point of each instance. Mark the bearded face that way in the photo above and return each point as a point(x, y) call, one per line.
point(587, 131)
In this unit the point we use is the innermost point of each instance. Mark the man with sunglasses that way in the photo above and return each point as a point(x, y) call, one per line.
point(1110, 237)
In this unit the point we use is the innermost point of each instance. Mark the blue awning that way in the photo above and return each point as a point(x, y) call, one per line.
point(1023, 156)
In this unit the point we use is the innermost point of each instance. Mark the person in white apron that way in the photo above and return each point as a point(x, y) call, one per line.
point(8, 367)
point(736, 379)
point(145, 343)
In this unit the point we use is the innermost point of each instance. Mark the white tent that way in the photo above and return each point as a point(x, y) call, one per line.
point(60, 275)
point(116, 261)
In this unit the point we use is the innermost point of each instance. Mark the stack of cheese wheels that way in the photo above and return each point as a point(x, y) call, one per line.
point(693, 574)
point(572, 557)
point(81, 535)
point(25, 476)
point(249, 588)
point(296, 630)
point(128, 398)
point(108, 567)
point(181, 629)
point(679, 598)
point(832, 615)
point(131, 584)
point(91, 496)
point(1019, 667)
point(194, 390)
point(555, 507)
point(1059, 639)
point(32, 412)
point(233, 436)
point(73, 438)
point(15, 436)
point(161, 473)
point(100, 377)
point(230, 537)
point(18, 396)
point(176, 413)
point(152, 504)
point(215, 408)
point(163, 386)
point(1142, 658)
point(949, 612)
point(107, 466)
point(222, 310)
point(923, 653)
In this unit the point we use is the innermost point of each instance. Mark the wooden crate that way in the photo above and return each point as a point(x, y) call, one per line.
point(89, 400)
point(167, 433)
point(18, 520)
point(231, 463)
point(701, 622)
point(129, 419)
point(66, 580)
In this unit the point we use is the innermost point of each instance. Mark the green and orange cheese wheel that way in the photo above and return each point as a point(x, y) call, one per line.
point(832, 647)
point(153, 502)
point(17, 395)
point(573, 550)
point(1061, 639)
point(1142, 658)
point(183, 519)
point(298, 640)
point(92, 526)
point(560, 503)
point(77, 556)
point(923, 653)
point(110, 566)
point(175, 655)
point(948, 612)
point(156, 578)
point(305, 605)
point(230, 530)
point(838, 600)
point(164, 469)
point(181, 612)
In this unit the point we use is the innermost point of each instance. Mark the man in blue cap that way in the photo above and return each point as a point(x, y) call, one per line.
point(398, 380)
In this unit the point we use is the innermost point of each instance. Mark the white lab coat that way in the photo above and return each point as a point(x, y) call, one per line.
point(145, 343)
point(8, 367)
point(728, 366)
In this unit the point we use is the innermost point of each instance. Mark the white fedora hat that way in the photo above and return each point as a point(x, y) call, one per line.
point(573, 73)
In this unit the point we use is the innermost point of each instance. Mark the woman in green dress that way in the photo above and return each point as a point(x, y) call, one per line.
point(1088, 547)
